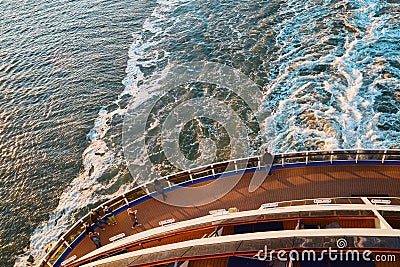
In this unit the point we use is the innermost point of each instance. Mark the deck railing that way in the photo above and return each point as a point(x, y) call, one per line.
point(74, 234)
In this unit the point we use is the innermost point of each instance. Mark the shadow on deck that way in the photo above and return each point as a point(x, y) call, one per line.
point(283, 184)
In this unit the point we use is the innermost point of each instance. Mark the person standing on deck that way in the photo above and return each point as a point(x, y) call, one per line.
point(88, 228)
point(159, 188)
point(109, 213)
point(96, 219)
point(95, 237)
point(132, 215)
point(267, 160)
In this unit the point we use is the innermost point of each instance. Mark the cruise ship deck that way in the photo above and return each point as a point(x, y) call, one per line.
point(342, 178)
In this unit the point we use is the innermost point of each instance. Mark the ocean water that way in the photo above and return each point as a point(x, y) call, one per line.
point(328, 73)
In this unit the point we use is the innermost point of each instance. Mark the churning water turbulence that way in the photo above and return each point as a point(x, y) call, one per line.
point(329, 72)
point(60, 61)
point(336, 79)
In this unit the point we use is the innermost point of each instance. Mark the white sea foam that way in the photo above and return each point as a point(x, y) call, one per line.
point(98, 157)
point(349, 119)
point(310, 109)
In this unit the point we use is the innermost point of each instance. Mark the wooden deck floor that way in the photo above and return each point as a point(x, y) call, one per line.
point(283, 184)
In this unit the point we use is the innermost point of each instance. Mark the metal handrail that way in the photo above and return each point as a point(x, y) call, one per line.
point(280, 160)
point(219, 219)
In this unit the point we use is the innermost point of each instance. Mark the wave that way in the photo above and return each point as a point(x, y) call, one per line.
point(329, 72)
point(102, 155)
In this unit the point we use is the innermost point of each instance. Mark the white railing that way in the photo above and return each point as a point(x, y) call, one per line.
point(230, 166)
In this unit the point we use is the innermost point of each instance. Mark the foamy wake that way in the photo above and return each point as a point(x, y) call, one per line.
point(98, 156)
point(323, 94)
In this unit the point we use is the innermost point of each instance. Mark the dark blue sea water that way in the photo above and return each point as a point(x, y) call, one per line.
point(328, 73)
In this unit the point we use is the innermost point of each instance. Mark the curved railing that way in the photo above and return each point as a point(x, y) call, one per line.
point(140, 193)
point(320, 211)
